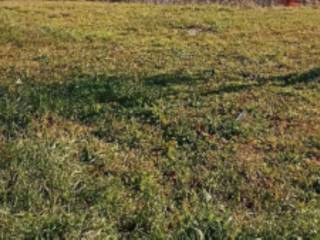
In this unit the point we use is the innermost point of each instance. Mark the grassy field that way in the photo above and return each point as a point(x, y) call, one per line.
point(128, 121)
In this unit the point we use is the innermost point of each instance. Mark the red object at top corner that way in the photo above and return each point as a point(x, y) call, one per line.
point(291, 3)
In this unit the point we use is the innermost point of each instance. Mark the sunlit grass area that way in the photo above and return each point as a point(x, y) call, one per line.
point(132, 121)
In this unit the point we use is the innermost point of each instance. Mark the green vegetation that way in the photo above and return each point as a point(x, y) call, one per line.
point(158, 122)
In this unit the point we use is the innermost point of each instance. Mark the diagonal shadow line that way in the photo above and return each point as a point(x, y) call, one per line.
point(294, 78)
point(312, 75)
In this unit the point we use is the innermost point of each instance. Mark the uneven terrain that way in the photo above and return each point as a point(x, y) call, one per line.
point(132, 121)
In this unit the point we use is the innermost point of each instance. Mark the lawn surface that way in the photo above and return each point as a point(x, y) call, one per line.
point(122, 121)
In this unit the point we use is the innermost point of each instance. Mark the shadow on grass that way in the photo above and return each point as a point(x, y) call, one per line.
point(90, 98)
point(295, 78)
point(282, 80)
point(85, 98)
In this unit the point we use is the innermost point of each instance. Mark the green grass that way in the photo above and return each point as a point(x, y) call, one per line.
point(132, 121)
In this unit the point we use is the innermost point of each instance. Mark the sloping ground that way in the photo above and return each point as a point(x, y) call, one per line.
point(157, 122)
